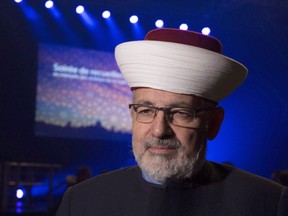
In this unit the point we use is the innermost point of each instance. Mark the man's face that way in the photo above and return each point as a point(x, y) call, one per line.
point(162, 149)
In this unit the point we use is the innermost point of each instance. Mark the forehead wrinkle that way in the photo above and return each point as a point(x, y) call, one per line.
point(144, 102)
point(175, 102)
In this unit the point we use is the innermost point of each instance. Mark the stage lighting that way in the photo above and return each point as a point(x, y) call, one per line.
point(133, 19)
point(79, 9)
point(106, 14)
point(183, 26)
point(18, 1)
point(159, 23)
point(206, 31)
point(49, 4)
point(19, 193)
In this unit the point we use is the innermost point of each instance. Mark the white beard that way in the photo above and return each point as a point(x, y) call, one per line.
point(181, 164)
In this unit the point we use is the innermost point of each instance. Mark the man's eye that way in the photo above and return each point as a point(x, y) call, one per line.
point(145, 111)
point(182, 113)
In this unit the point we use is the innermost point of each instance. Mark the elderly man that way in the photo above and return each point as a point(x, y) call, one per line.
point(177, 79)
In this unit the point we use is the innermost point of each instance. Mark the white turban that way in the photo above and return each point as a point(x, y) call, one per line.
point(179, 68)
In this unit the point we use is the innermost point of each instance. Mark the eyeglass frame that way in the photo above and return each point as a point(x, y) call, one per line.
point(167, 112)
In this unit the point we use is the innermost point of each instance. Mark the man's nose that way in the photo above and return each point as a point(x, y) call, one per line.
point(160, 127)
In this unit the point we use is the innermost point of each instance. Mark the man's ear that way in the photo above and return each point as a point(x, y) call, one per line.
point(215, 122)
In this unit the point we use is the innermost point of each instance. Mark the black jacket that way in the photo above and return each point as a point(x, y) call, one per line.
point(221, 191)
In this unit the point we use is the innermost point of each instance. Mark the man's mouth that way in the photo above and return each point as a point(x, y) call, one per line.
point(160, 149)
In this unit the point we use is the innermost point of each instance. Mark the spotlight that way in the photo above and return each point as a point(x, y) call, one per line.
point(18, 1)
point(159, 23)
point(79, 9)
point(133, 19)
point(183, 26)
point(106, 14)
point(19, 193)
point(206, 31)
point(49, 4)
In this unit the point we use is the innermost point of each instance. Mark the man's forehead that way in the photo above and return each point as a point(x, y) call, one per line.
point(142, 91)
point(158, 96)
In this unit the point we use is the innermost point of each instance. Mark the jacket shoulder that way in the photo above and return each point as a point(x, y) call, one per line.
point(110, 180)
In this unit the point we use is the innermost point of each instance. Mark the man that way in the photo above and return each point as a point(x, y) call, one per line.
point(177, 79)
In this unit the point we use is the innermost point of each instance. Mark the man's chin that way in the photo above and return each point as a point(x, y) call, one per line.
point(158, 166)
point(160, 152)
point(161, 166)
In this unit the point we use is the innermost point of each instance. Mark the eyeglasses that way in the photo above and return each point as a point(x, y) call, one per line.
point(180, 116)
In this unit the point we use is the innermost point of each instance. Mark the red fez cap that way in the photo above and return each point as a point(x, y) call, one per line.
point(189, 38)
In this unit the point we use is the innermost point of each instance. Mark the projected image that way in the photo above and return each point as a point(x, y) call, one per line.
point(81, 94)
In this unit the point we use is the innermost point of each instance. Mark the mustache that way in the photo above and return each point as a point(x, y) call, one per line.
point(168, 143)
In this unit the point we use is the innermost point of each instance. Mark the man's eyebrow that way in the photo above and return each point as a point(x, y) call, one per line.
point(180, 104)
point(144, 102)
point(174, 104)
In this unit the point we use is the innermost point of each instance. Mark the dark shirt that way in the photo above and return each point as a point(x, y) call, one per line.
point(217, 191)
